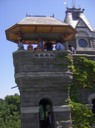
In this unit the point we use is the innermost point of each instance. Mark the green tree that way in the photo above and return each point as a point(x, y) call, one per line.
point(10, 112)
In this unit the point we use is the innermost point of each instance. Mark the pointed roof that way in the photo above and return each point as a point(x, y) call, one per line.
point(74, 16)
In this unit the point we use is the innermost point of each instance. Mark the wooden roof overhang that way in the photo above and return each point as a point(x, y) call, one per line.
point(32, 32)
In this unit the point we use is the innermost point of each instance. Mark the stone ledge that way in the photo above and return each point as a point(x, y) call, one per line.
point(43, 74)
point(63, 108)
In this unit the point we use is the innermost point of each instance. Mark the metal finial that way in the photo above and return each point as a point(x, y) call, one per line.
point(73, 3)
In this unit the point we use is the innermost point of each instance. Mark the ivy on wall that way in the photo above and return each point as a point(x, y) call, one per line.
point(83, 78)
point(84, 72)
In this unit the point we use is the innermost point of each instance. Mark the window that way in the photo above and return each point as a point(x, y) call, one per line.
point(82, 43)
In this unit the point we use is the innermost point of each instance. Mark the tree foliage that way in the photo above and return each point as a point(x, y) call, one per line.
point(82, 117)
point(10, 112)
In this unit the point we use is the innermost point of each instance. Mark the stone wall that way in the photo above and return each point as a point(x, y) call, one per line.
point(43, 75)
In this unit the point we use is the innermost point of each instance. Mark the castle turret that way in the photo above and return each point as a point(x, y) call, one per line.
point(84, 41)
point(43, 77)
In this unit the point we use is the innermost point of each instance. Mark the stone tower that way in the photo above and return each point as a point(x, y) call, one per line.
point(43, 77)
point(43, 80)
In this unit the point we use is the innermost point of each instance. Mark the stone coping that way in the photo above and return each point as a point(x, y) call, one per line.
point(43, 74)
point(62, 108)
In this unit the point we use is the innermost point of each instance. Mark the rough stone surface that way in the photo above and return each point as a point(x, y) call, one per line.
point(43, 75)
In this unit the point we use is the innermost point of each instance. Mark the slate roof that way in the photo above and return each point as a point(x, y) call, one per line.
point(73, 22)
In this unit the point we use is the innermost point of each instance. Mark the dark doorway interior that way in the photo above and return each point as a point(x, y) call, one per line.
point(45, 113)
point(93, 108)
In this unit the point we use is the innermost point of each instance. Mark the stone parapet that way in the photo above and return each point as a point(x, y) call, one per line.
point(51, 61)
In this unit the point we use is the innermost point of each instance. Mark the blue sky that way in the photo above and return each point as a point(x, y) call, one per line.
point(11, 12)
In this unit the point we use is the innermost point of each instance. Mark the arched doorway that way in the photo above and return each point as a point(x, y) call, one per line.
point(45, 113)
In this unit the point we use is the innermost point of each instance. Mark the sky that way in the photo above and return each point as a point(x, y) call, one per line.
point(13, 11)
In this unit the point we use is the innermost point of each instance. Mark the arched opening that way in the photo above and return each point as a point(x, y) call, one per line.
point(93, 108)
point(45, 114)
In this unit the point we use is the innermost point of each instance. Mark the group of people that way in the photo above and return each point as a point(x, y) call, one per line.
point(48, 46)
point(41, 46)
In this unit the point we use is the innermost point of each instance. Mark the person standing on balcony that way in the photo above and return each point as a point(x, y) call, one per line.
point(72, 49)
point(30, 47)
point(48, 46)
point(59, 46)
point(41, 44)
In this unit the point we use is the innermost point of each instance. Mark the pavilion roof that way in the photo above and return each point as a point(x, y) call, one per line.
point(33, 27)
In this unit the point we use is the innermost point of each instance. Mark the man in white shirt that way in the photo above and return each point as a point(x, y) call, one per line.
point(72, 49)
